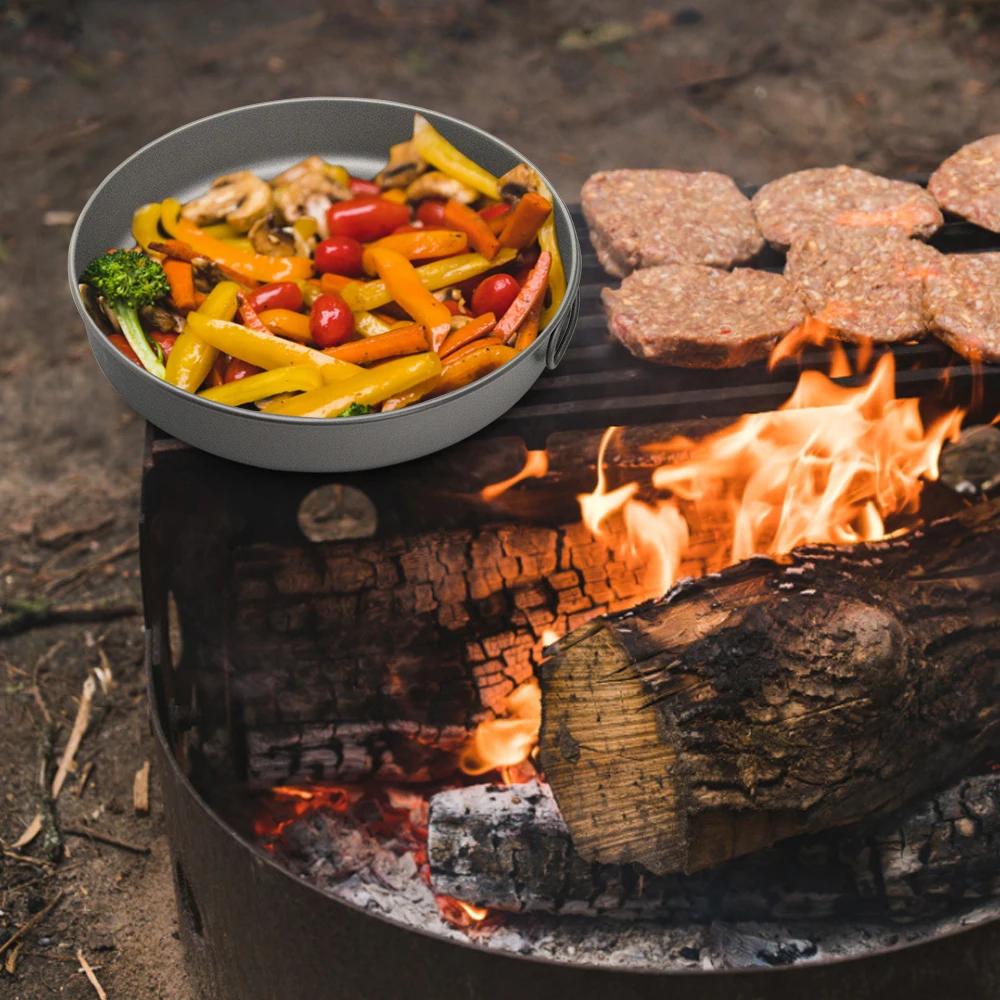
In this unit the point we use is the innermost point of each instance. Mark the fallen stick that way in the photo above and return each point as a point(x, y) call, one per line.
point(508, 848)
point(78, 572)
point(25, 614)
point(106, 838)
point(89, 973)
point(37, 918)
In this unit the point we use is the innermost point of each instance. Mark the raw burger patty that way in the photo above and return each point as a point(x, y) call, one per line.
point(801, 203)
point(968, 183)
point(963, 304)
point(867, 284)
point(700, 317)
point(641, 218)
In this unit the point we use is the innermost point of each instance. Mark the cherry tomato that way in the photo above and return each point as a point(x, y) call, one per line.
point(277, 295)
point(339, 255)
point(237, 369)
point(494, 294)
point(125, 347)
point(165, 340)
point(361, 187)
point(431, 212)
point(331, 321)
point(367, 218)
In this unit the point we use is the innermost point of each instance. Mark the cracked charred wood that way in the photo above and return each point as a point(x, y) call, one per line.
point(508, 848)
point(777, 699)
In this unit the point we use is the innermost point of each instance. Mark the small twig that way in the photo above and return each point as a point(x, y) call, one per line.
point(78, 572)
point(23, 615)
point(84, 778)
point(26, 858)
point(24, 928)
point(89, 972)
point(104, 838)
point(42, 878)
point(10, 966)
point(36, 691)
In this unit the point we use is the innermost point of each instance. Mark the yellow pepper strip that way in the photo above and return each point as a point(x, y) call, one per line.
point(287, 323)
point(265, 350)
point(306, 227)
point(170, 213)
point(437, 151)
point(191, 359)
point(370, 325)
point(146, 227)
point(243, 262)
point(547, 241)
point(408, 292)
point(239, 243)
point(369, 387)
point(438, 274)
point(398, 195)
point(221, 231)
point(248, 390)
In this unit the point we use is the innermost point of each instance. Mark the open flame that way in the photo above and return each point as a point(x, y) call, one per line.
point(506, 742)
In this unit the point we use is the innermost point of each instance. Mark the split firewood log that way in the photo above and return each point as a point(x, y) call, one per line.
point(508, 848)
point(778, 698)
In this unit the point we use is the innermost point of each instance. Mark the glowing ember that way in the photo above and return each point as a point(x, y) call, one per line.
point(506, 742)
point(535, 467)
point(549, 636)
point(476, 913)
point(830, 466)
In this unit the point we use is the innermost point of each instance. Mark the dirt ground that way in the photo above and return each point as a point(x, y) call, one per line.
point(751, 89)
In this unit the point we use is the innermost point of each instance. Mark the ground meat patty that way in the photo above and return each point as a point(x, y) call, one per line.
point(641, 218)
point(799, 204)
point(700, 317)
point(968, 183)
point(866, 284)
point(962, 302)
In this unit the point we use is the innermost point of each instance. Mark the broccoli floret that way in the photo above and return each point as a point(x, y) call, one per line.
point(356, 410)
point(129, 280)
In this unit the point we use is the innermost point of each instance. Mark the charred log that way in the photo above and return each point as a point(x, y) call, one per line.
point(508, 848)
point(772, 700)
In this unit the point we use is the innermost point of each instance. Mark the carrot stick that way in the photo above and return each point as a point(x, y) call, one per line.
point(473, 330)
point(180, 274)
point(181, 251)
point(334, 282)
point(406, 340)
point(469, 348)
point(532, 291)
point(525, 221)
point(527, 332)
point(481, 237)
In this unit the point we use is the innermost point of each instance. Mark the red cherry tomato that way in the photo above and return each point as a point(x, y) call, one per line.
point(331, 321)
point(277, 295)
point(237, 369)
point(165, 340)
point(494, 294)
point(431, 212)
point(366, 218)
point(339, 255)
point(361, 187)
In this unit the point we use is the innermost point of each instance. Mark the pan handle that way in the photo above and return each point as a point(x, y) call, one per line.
point(560, 338)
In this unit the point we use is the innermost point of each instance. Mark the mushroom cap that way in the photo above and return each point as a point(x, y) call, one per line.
point(435, 184)
point(240, 199)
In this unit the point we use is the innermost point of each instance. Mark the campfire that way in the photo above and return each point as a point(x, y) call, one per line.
point(833, 478)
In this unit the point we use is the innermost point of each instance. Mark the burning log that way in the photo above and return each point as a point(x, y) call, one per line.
point(776, 699)
point(508, 848)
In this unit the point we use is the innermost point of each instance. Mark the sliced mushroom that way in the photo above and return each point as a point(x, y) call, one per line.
point(268, 238)
point(312, 165)
point(158, 318)
point(405, 166)
point(310, 194)
point(241, 199)
point(438, 185)
point(518, 182)
point(100, 311)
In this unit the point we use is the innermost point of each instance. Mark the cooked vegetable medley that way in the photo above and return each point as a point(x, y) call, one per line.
point(318, 294)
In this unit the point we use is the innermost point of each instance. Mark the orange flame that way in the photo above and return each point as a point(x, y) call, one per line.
point(506, 742)
point(536, 466)
point(830, 466)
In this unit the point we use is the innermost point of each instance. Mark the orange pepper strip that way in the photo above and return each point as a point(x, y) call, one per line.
point(525, 221)
point(532, 292)
point(180, 274)
point(481, 237)
point(404, 284)
point(245, 262)
point(287, 323)
point(421, 244)
point(395, 343)
point(334, 282)
point(472, 331)
point(181, 251)
point(527, 332)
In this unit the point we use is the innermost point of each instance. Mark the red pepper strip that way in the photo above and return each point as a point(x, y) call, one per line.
point(496, 216)
point(472, 330)
point(532, 291)
point(125, 347)
point(250, 318)
point(471, 223)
